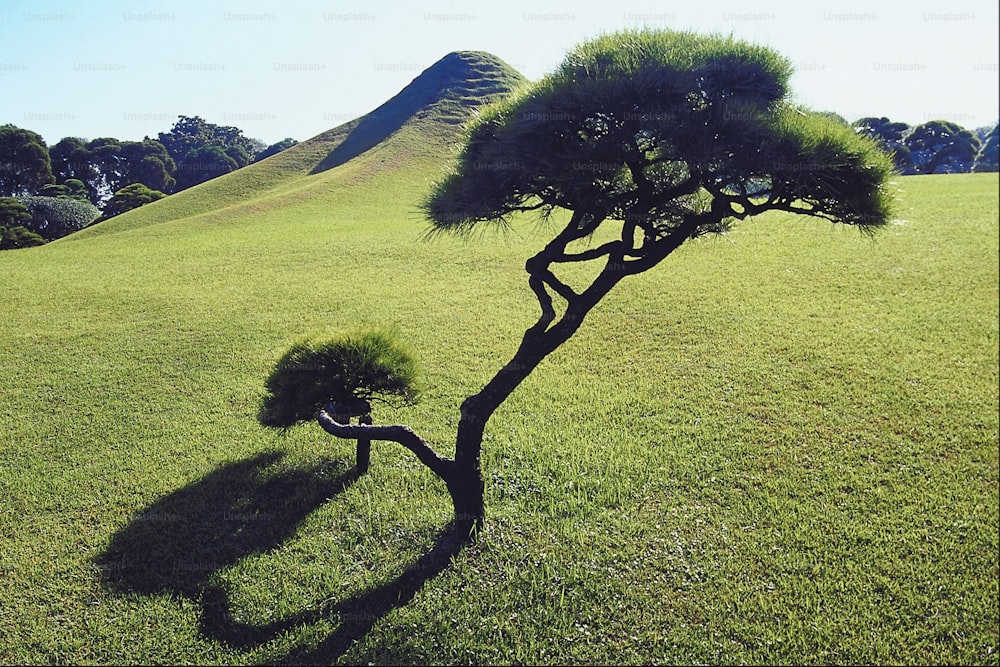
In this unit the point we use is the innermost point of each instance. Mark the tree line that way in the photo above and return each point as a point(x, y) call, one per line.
point(935, 147)
point(48, 192)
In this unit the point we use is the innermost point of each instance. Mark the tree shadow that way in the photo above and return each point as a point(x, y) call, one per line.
point(356, 615)
point(179, 542)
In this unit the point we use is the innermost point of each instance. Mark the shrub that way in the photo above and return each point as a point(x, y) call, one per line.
point(130, 197)
point(12, 212)
point(53, 218)
point(18, 237)
point(358, 366)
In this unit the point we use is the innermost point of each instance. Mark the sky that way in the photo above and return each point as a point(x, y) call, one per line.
point(293, 68)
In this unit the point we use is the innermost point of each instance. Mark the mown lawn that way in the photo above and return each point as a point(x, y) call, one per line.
point(780, 446)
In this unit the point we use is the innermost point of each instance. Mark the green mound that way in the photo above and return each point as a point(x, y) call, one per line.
point(444, 93)
point(418, 125)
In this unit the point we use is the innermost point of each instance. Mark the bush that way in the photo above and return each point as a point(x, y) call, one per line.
point(12, 212)
point(18, 237)
point(53, 218)
point(362, 365)
point(130, 197)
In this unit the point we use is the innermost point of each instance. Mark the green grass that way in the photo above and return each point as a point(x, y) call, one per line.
point(779, 446)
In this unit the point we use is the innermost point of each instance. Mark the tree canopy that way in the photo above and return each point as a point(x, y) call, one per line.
point(130, 197)
point(203, 150)
point(25, 165)
point(988, 158)
point(942, 147)
point(891, 136)
point(55, 217)
point(660, 130)
point(106, 165)
point(353, 367)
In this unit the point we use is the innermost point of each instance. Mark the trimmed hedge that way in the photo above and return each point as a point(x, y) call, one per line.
point(53, 218)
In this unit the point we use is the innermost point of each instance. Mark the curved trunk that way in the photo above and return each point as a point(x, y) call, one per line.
point(466, 487)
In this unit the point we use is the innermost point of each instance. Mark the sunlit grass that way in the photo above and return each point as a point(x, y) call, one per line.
point(779, 446)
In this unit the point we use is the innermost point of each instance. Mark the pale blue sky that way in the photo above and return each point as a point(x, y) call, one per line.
point(295, 68)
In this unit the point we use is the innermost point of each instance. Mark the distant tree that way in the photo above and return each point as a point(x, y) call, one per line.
point(203, 164)
point(657, 137)
point(988, 158)
point(130, 197)
point(53, 190)
point(53, 218)
point(72, 160)
point(941, 147)
point(106, 165)
point(25, 165)
point(202, 150)
point(891, 137)
point(72, 189)
point(76, 189)
point(257, 146)
point(13, 238)
point(12, 212)
point(273, 149)
point(147, 162)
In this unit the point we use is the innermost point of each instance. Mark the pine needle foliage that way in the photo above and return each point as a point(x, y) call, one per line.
point(360, 365)
point(654, 125)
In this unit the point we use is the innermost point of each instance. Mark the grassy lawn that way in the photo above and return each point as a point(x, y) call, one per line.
point(779, 446)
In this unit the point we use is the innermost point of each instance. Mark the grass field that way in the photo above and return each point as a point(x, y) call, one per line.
point(779, 446)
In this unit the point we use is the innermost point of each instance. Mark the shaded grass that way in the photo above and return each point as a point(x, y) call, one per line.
point(779, 446)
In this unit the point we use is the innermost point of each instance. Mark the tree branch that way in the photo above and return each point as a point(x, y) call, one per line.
point(544, 301)
point(587, 255)
point(657, 250)
point(404, 435)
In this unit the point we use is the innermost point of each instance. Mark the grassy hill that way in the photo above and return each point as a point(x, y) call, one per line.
point(780, 446)
point(414, 130)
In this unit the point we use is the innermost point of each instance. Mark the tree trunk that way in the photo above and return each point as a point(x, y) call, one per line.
point(364, 449)
point(466, 487)
point(466, 484)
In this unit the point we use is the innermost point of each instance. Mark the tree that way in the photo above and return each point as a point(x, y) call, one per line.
point(273, 149)
point(988, 158)
point(147, 162)
point(203, 150)
point(202, 164)
point(25, 165)
point(72, 160)
point(130, 197)
point(942, 147)
point(72, 188)
point(657, 137)
point(13, 233)
point(106, 165)
point(891, 136)
point(19, 237)
point(12, 212)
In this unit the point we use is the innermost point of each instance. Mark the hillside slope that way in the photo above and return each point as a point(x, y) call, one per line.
point(414, 127)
